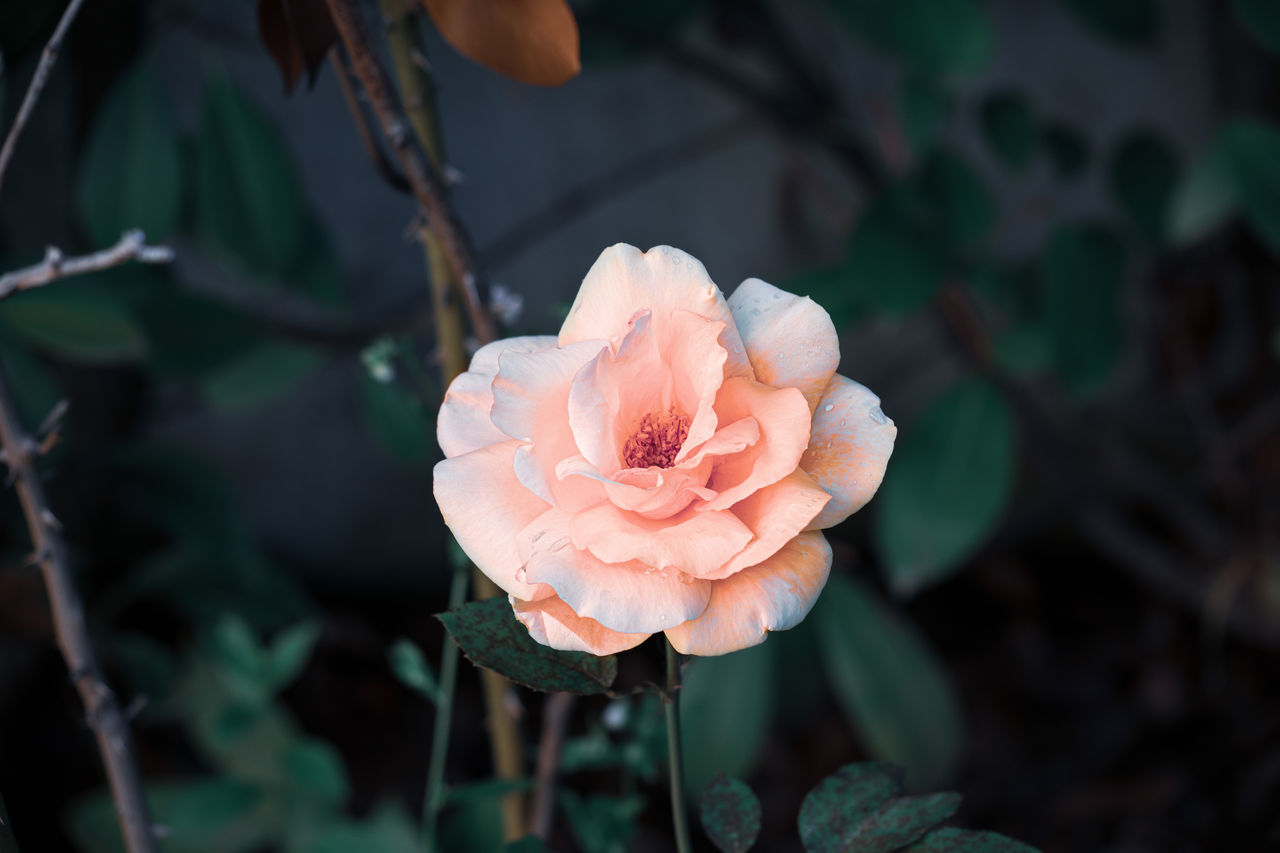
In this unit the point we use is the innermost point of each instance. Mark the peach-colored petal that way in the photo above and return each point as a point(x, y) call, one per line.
point(553, 623)
point(626, 597)
point(783, 418)
point(476, 489)
point(464, 424)
point(531, 403)
point(790, 339)
point(772, 596)
point(692, 542)
point(776, 514)
point(625, 280)
point(696, 360)
point(849, 449)
point(651, 492)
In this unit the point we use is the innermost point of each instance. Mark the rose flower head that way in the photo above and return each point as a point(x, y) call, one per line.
point(666, 464)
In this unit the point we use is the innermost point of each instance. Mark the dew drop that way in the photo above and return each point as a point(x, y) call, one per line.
point(828, 407)
point(878, 415)
point(558, 545)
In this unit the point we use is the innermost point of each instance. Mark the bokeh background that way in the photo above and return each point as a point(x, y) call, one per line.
point(1048, 231)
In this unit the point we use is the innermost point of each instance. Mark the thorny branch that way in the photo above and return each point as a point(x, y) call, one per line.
point(131, 247)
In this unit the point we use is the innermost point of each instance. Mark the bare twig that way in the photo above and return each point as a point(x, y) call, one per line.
point(47, 59)
point(428, 187)
point(115, 741)
point(555, 720)
point(131, 247)
point(380, 162)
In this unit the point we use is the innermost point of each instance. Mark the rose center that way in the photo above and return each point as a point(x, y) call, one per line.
point(656, 441)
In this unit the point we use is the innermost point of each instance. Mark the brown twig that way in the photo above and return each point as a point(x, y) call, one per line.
point(115, 741)
point(428, 187)
point(555, 721)
point(47, 60)
point(372, 148)
point(131, 247)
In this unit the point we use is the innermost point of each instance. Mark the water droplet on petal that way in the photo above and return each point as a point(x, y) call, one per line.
point(878, 415)
point(828, 407)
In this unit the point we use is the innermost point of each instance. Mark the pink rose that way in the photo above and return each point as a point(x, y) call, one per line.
point(666, 464)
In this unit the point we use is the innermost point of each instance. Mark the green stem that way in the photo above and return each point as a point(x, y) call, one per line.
point(434, 797)
point(675, 757)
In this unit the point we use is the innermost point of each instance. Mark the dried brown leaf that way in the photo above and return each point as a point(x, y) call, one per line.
point(533, 41)
point(298, 34)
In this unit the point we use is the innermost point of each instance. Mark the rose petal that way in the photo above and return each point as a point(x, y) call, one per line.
point(625, 597)
point(783, 418)
point(772, 596)
point(692, 542)
point(850, 446)
point(790, 339)
point(464, 423)
point(553, 623)
point(776, 514)
point(624, 280)
point(473, 491)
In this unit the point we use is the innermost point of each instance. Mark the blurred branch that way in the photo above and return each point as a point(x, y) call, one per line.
point(423, 177)
point(393, 178)
point(115, 742)
point(131, 247)
point(555, 721)
point(47, 58)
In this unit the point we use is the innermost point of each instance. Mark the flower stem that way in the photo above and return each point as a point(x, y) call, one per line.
point(675, 756)
point(434, 797)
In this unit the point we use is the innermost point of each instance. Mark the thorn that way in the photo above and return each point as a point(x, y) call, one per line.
point(413, 231)
point(452, 175)
point(135, 707)
point(53, 256)
point(50, 520)
point(420, 60)
point(54, 417)
point(50, 441)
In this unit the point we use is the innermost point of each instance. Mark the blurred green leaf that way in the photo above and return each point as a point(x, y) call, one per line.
point(1206, 196)
point(289, 653)
point(1023, 349)
point(730, 814)
point(1129, 22)
point(894, 270)
point(209, 814)
point(834, 810)
point(249, 201)
point(411, 668)
point(601, 824)
point(1254, 154)
point(1142, 175)
point(257, 376)
point(931, 36)
point(316, 773)
point(400, 421)
point(243, 660)
point(34, 390)
point(130, 173)
point(923, 108)
point(148, 665)
point(474, 825)
point(490, 636)
point(951, 840)
point(892, 689)
point(1083, 270)
point(75, 322)
point(486, 790)
point(1067, 149)
point(190, 335)
point(528, 844)
point(1261, 18)
point(961, 206)
point(387, 831)
point(726, 709)
point(1009, 129)
point(951, 478)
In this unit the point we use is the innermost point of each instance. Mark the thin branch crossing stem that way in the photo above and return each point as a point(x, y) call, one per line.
point(132, 246)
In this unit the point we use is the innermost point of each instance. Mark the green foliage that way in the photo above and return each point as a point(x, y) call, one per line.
point(1261, 18)
point(726, 708)
point(1083, 270)
point(834, 810)
point(77, 321)
point(923, 108)
point(1142, 175)
point(602, 824)
point(632, 739)
point(131, 173)
point(892, 689)
point(894, 270)
point(1067, 150)
point(257, 375)
point(953, 475)
point(955, 201)
point(952, 840)
point(489, 635)
point(411, 668)
point(1009, 128)
point(730, 814)
point(528, 844)
point(34, 390)
point(399, 420)
point(931, 36)
point(1127, 22)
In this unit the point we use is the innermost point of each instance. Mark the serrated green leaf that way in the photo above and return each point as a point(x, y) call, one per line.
point(1083, 270)
point(131, 174)
point(1261, 19)
point(730, 814)
point(257, 376)
point(411, 668)
point(489, 635)
point(930, 36)
point(832, 812)
point(74, 322)
point(726, 708)
point(399, 420)
point(1142, 176)
point(890, 686)
point(951, 479)
point(951, 840)
point(249, 201)
point(1009, 129)
point(1129, 22)
point(903, 820)
point(1067, 149)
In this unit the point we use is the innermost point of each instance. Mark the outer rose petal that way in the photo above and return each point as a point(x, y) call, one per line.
point(848, 449)
point(553, 623)
point(624, 280)
point(464, 423)
point(776, 514)
point(626, 597)
point(772, 596)
point(696, 543)
point(477, 490)
point(790, 339)
point(783, 417)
